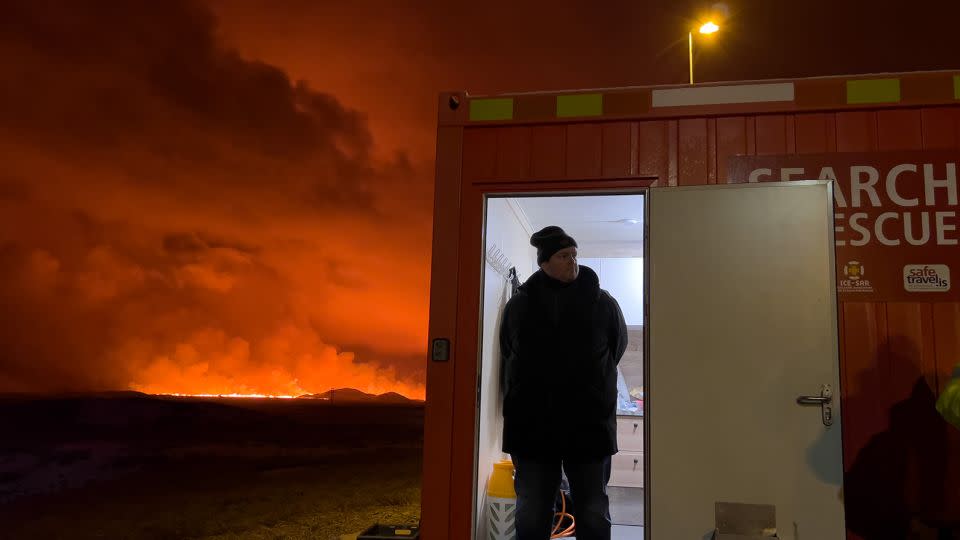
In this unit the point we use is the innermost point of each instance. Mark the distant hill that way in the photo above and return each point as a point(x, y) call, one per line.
point(393, 397)
point(352, 395)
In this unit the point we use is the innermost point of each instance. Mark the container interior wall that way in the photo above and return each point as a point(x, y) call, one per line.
point(507, 235)
point(888, 350)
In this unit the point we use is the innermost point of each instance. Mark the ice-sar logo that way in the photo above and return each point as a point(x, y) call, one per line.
point(853, 279)
point(853, 270)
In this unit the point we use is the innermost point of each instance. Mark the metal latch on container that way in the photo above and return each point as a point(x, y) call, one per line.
point(824, 400)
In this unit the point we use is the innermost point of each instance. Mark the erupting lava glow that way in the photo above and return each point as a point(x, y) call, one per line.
point(283, 366)
point(259, 396)
point(202, 387)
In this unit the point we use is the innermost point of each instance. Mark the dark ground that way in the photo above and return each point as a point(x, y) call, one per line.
point(134, 466)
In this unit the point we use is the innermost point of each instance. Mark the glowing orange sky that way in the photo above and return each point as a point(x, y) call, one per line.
point(178, 219)
point(234, 196)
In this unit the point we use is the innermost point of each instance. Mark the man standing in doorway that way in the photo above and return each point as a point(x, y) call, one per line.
point(561, 339)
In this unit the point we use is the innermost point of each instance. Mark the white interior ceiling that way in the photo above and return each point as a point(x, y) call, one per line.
point(602, 225)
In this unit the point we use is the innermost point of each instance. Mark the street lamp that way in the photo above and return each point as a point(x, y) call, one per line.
point(708, 27)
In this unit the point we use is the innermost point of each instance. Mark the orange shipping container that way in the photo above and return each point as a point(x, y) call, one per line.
point(891, 142)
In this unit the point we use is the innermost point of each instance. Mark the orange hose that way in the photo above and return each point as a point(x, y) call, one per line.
point(563, 510)
point(557, 533)
point(569, 530)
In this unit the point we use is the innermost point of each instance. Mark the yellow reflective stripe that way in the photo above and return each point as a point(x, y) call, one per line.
point(904, 89)
point(873, 91)
point(579, 105)
point(491, 109)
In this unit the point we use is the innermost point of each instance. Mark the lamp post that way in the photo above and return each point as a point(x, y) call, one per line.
point(708, 27)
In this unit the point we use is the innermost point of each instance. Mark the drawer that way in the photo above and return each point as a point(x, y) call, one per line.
point(626, 470)
point(630, 433)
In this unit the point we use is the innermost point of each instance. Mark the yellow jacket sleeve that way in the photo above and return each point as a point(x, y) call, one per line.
point(949, 402)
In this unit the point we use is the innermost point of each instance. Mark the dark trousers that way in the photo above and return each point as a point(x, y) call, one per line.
point(537, 481)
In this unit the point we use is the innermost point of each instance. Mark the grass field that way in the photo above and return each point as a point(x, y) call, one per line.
point(214, 480)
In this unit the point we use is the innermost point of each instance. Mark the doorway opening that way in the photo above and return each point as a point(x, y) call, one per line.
point(609, 231)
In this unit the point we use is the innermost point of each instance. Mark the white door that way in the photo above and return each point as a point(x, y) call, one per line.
point(742, 315)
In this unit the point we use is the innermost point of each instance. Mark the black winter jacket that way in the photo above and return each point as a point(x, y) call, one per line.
point(560, 345)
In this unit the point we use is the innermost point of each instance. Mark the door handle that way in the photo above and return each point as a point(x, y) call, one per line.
point(823, 400)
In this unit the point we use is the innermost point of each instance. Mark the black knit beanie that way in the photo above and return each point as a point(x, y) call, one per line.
point(550, 240)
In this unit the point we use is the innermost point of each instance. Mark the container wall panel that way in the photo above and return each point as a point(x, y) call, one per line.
point(812, 133)
point(619, 149)
point(584, 150)
point(899, 130)
point(692, 169)
point(771, 134)
point(549, 146)
point(513, 152)
point(856, 131)
point(731, 141)
point(479, 154)
point(941, 128)
point(653, 149)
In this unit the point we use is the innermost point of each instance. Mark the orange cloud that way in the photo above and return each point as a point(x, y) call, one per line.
point(175, 218)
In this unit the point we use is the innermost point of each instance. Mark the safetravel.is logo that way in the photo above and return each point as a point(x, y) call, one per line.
point(926, 277)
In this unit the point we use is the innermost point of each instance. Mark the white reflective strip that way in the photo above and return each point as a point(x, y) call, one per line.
point(718, 95)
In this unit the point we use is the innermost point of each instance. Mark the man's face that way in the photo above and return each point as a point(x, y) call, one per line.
point(562, 266)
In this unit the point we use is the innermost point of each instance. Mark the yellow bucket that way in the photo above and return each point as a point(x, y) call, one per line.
point(501, 480)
